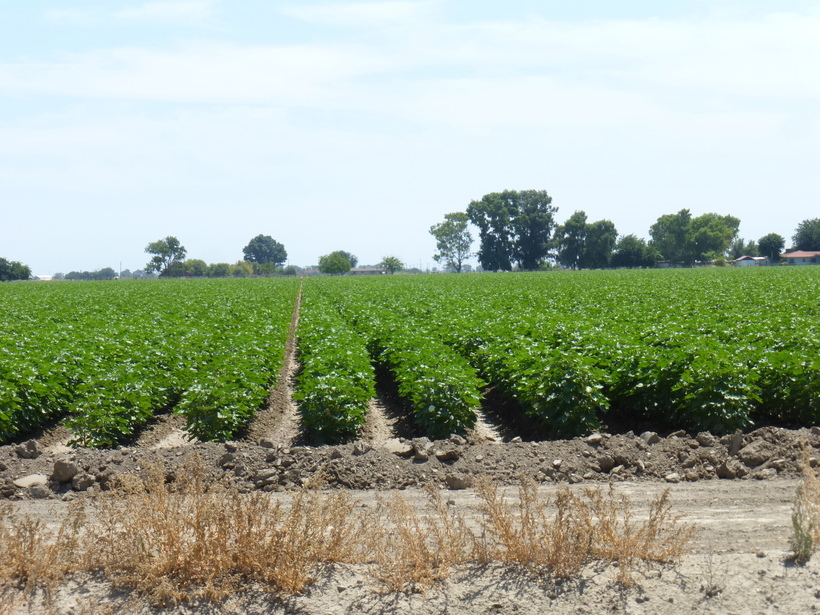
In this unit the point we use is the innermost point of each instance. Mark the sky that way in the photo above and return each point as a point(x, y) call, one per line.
point(356, 126)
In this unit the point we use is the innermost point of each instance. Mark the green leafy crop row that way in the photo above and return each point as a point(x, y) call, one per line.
point(109, 355)
point(577, 351)
point(337, 380)
point(711, 350)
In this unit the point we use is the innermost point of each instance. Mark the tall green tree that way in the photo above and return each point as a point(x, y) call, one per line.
point(166, 253)
point(682, 239)
point(264, 249)
point(333, 263)
point(670, 237)
point(771, 246)
point(453, 240)
point(583, 244)
point(533, 224)
point(712, 235)
point(514, 227)
point(601, 237)
point(807, 235)
point(632, 252)
point(391, 264)
point(570, 238)
point(13, 270)
point(351, 258)
point(495, 234)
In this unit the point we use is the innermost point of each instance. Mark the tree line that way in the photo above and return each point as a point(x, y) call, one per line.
point(13, 270)
point(518, 230)
point(263, 256)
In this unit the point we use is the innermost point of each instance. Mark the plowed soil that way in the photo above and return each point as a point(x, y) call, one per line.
point(738, 562)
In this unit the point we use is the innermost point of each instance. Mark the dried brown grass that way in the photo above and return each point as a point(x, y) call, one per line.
point(619, 538)
point(411, 550)
point(190, 540)
point(35, 557)
point(558, 537)
point(806, 513)
point(194, 541)
point(530, 534)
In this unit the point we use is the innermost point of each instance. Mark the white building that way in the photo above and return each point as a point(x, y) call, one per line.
point(802, 257)
point(752, 261)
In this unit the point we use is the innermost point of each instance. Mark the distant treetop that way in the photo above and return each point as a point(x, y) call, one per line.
point(264, 249)
point(13, 270)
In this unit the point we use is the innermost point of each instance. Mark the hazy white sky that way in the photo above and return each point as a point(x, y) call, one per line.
point(358, 125)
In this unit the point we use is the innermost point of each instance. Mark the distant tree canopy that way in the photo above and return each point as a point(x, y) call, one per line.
point(334, 263)
point(219, 270)
point(195, 267)
point(601, 238)
point(514, 227)
point(264, 249)
point(583, 245)
point(807, 235)
point(632, 252)
point(351, 258)
point(453, 240)
point(741, 247)
point(771, 246)
point(241, 269)
point(682, 239)
point(167, 252)
point(13, 270)
point(106, 273)
point(392, 264)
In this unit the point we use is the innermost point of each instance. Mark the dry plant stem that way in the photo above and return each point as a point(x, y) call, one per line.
point(618, 538)
point(583, 529)
point(806, 513)
point(35, 557)
point(528, 536)
point(189, 541)
point(411, 551)
point(201, 542)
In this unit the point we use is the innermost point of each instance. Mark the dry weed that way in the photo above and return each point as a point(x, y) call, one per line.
point(581, 529)
point(527, 534)
point(190, 540)
point(412, 550)
point(35, 557)
point(806, 513)
point(619, 538)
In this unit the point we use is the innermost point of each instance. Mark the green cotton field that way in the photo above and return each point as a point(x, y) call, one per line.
point(696, 349)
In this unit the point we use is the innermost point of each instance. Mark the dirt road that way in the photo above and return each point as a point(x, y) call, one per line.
point(738, 563)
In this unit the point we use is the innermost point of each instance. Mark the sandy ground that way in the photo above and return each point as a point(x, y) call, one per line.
point(738, 563)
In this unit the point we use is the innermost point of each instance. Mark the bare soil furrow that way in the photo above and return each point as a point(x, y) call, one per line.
point(279, 421)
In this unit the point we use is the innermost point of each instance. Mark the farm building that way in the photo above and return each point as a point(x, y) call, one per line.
point(802, 257)
point(752, 261)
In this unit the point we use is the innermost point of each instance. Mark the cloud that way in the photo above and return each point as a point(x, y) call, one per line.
point(364, 14)
point(191, 12)
point(689, 63)
point(203, 73)
point(72, 16)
